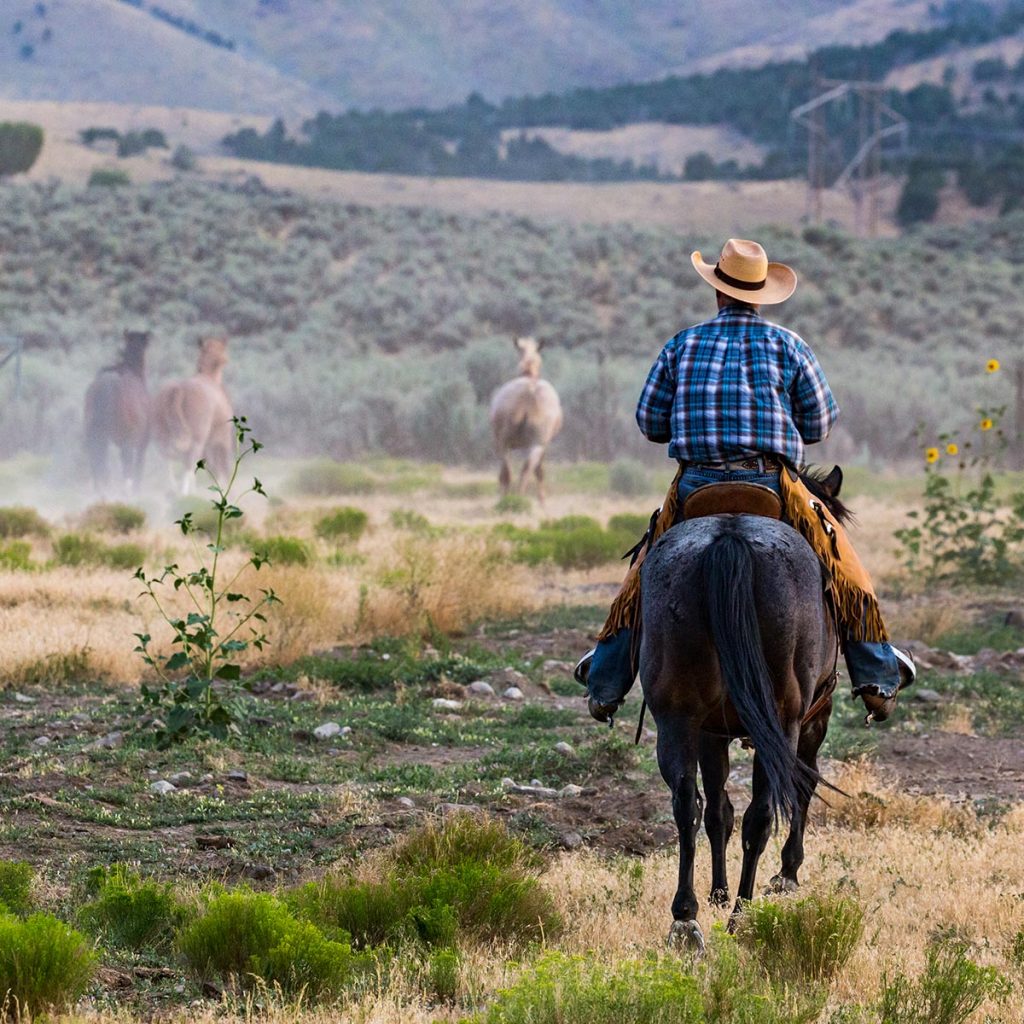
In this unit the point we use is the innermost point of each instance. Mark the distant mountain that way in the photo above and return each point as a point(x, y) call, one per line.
point(291, 57)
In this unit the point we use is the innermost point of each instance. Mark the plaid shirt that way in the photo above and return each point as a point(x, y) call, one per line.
point(735, 386)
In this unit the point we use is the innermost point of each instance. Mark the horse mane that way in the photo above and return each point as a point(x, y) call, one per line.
point(814, 478)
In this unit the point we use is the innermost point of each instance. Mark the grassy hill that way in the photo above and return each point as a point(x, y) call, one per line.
point(289, 57)
point(359, 330)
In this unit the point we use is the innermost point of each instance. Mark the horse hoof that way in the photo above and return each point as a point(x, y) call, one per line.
point(686, 935)
point(735, 917)
point(719, 898)
point(779, 885)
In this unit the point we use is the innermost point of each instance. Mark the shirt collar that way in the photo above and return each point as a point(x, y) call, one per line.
point(738, 309)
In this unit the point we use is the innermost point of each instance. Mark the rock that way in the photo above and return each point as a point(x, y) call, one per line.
point(480, 688)
point(261, 872)
point(543, 792)
point(555, 668)
point(536, 782)
point(925, 696)
point(571, 790)
point(444, 704)
point(208, 777)
point(161, 787)
point(507, 782)
point(407, 802)
point(78, 719)
point(327, 731)
point(23, 698)
point(570, 840)
point(112, 741)
point(237, 775)
point(447, 810)
point(42, 741)
point(1015, 618)
point(513, 693)
point(565, 749)
point(180, 778)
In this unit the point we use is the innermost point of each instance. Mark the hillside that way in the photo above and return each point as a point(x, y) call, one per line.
point(290, 57)
point(357, 330)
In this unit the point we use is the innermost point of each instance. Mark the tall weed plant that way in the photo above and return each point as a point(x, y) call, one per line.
point(966, 533)
point(200, 682)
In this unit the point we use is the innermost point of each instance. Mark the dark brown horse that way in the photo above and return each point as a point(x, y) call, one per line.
point(738, 642)
point(117, 412)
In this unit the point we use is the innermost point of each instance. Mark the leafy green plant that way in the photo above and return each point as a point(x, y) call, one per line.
point(949, 990)
point(109, 177)
point(512, 504)
point(44, 965)
point(113, 517)
point(21, 521)
point(809, 939)
point(343, 524)
point(83, 549)
point(20, 145)
point(16, 555)
point(963, 534)
point(16, 886)
point(443, 974)
point(1017, 950)
point(221, 623)
point(131, 913)
point(244, 936)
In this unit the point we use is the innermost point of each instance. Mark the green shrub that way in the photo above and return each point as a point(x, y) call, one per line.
point(44, 965)
point(109, 177)
point(281, 550)
point(1017, 950)
point(343, 524)
point(326, 478)
point(628, 478)
point(559, 989)
point(809, 939)
point(573, 542)
point(245, 935)
point(414, 522)
point(512, 504)
point(20, 521)
point(113, 517)
point(83, 549)
point(466, 878)
point(443, 974)
point(16, 886)
point(949, 990)
point(20, 145)
point(16, 556)
point(130, 913)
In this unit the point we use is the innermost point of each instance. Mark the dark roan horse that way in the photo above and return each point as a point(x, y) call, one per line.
point(738, 642)
point(117, 412)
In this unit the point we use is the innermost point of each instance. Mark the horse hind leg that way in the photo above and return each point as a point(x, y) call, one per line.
point(811, 738)
point(719, 816)
point(677, 758)
point(533, 467)
point(505, 476)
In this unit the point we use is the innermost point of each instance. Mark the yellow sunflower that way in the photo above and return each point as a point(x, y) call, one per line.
point(992, 366)
point(952, 449)
point(931, 455)
point(985, 424)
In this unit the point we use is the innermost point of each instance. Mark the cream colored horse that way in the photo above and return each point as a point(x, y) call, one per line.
point(192, 418)
point(525, 416)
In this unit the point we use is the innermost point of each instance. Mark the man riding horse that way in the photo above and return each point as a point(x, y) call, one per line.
point(737, 398)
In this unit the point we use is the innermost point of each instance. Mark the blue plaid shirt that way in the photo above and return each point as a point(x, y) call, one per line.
point(735, 386)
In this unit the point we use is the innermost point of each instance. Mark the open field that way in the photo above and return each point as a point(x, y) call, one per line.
point(382, 633)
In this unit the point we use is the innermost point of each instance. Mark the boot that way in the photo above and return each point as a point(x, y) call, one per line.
point(608, 674)
point(878, 671)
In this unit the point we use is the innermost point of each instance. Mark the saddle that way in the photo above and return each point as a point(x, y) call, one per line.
point(734, 499)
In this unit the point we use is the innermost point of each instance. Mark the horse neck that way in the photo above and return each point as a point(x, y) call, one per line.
point(135, 362)
point(531, 372)
point(214, 374)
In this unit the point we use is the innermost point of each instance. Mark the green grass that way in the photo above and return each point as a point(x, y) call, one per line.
point(16, 556)
point(129, 912)
point(83, 549)
point(326, 478)
point(969, 639)
point(16, 886)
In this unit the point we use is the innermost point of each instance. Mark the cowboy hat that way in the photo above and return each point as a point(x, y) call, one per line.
point(743, 272)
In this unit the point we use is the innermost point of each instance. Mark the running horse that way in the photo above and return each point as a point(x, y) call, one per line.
point(192, 417)
point(117, 412)
point(738, 641)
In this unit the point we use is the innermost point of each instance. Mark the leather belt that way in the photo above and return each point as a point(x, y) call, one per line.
point(761, 463)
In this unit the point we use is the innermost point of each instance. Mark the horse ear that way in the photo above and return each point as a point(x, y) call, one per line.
point(517, 344)
point(833, 483)
point(541, 344)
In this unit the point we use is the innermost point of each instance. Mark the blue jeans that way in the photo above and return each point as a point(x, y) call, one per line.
point(872, 666)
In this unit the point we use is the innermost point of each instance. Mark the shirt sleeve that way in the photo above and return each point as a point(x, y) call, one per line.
point(814, 409)
point(654, 410)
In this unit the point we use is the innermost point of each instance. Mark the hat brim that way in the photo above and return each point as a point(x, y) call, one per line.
point(778, 286)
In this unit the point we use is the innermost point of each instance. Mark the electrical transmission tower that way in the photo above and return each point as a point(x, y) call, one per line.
point(877, 126)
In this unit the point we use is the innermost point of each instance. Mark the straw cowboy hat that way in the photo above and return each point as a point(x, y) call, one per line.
point(743, 272)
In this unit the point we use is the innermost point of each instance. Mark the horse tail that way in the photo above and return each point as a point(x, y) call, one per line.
point(727, 568)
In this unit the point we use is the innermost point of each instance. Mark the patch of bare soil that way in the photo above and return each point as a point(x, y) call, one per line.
point(954, 765)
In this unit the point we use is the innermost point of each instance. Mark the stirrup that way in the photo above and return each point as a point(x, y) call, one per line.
point(908, 667)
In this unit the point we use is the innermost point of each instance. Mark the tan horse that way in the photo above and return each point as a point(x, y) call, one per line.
point(525, 416)
point(192, 418)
